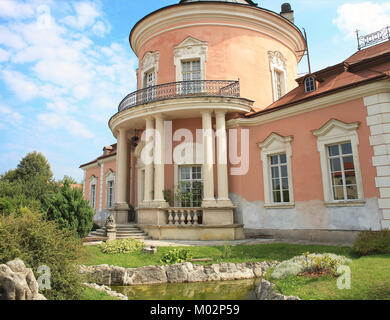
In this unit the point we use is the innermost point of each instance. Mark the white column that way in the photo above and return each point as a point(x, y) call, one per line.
point(148, 195)
point(222, 171)
point(121, 167)
point(159, 151)
point(208, 173)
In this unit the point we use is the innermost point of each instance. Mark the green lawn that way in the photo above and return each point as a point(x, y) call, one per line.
point(92, 294)
point(370, 275)
point(92, 255)
point(370, 280)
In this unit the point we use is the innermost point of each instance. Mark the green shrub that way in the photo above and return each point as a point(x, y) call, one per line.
point(372, 242)
point(70, 210)
point(38, 242)
point(122, 246)
point(6, 206)
point(176, 256)
point(311, 263)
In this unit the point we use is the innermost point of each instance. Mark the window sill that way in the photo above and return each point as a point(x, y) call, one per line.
point(279, 206)
point(354, 203)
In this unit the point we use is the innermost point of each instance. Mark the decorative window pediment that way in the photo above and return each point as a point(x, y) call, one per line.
point(276, 153)
point(187, 50)
point(278, 67)
point(339, 155)
point(110, 175)
point(337, 129)
point(93, 179)
point(149, 68)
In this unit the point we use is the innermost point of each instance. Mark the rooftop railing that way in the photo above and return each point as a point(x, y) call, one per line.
point(222, 88)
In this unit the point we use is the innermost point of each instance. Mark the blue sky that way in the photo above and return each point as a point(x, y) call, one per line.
point(66, 65)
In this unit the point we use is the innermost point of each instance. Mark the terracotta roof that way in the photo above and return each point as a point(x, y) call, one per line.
point(109, 151)
point(367, 65)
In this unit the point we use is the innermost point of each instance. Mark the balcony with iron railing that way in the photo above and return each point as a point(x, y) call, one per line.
point(172, 90)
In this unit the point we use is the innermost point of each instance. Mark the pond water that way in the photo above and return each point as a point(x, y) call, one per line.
point(215, 290)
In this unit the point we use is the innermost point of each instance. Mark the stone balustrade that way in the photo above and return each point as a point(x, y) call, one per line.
point(185, 216)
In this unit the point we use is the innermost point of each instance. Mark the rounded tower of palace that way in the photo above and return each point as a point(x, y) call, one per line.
point(226, 40)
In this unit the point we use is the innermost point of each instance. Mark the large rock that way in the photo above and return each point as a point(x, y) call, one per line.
point(149, 275)
point(266, 291)
point(18, 282)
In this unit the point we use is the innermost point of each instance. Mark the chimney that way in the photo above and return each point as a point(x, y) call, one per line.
point(287, 12)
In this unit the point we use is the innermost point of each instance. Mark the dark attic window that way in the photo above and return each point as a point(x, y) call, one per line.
point(310, 84)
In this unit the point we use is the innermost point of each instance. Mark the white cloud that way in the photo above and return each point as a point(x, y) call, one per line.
point(9, 39)
point(57, 121)
point(23, 87)
point(366, 17)
point(9, 116)
point(4, 55)
point(101, 29)
point(86, 12)
point(13, 9)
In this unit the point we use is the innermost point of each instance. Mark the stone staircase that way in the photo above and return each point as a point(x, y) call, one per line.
point(123, 231)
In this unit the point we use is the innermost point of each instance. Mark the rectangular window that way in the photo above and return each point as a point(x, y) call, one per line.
point(191, 73)
point(278, 78)
point(190, 186)
point(110, 194)
point(342, 172)
point(149, 93)
point(92, 199)
point(279, 178)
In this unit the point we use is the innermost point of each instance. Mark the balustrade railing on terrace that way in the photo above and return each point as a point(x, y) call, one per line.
point(185, 216)
point(223, 88)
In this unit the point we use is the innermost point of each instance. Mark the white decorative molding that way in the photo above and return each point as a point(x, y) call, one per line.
point(334, 132)
point(93, 180)
point(190, 49)
point(273, 145)
point(378, 120)
point(278, 64)
point(110, 177)
point(101, 187)
point(149, 63)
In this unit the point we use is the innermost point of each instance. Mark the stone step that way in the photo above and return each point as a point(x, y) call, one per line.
point(123, 231)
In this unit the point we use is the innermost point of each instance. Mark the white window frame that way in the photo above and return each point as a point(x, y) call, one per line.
point(275, 145)
point(110, 178)
point(191, 179)
point(93, 181)
point(311, 79)
point(336, 132)
point(190, 49)
point(149, 63)
point(278, 65)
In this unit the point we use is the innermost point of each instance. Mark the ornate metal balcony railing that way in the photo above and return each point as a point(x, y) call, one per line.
point(373, 38)
point(224, 88)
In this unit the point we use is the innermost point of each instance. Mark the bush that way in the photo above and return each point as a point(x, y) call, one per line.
point(310, 263)
point(372, 242)
point(38, 242)
point(176, 256)
point(121, 246)
point(6, 206)
point(70, 210)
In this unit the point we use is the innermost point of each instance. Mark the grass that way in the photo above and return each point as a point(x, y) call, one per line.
point(370, 280)
point(370, 275)
point(92, 255)
point(92, 294)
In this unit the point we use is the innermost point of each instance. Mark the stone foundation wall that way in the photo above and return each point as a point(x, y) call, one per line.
point(183, 272)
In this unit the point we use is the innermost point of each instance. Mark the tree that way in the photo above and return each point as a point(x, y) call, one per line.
point(70, 210)
point(34, 165)
point(39, 242)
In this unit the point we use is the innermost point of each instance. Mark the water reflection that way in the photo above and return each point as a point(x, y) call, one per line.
point(216, 290)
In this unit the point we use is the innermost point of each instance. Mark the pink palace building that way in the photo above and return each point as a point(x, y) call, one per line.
point(222, 140)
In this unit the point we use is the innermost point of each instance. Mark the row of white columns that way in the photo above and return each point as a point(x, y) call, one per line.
point(155, 171)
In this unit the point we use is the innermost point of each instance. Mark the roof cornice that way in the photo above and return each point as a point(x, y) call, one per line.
point(199, 13)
